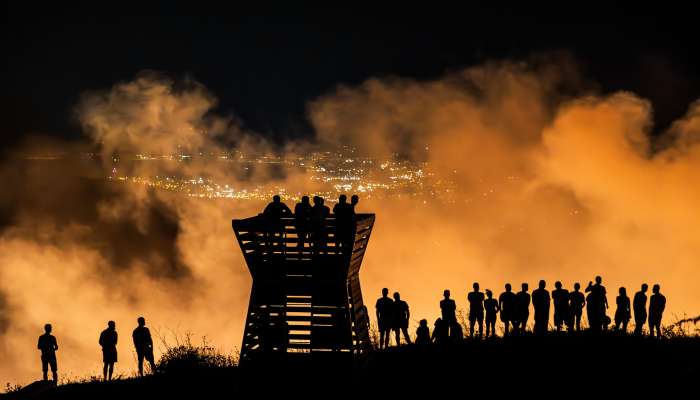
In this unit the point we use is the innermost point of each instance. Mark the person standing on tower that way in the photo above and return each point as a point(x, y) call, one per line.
point(302, 220)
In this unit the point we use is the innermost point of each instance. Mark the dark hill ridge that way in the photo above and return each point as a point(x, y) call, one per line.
point(550, 366)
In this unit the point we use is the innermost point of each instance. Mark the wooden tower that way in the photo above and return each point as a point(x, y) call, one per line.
point(306, 299)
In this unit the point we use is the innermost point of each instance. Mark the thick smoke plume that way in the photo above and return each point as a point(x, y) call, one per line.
point(549, 181)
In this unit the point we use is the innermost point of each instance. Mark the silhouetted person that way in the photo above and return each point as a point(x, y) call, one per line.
point(448, 309)
point(622, 312)
point(657, 304)
point(275, 211)
point(560, 298)
point(456, 333)
point(597, 304)
point(319, 213)
point(509, 312)
point(522, 304)
point(302, 220)
point(385, 314)
point(343, 213)
point(640, 309)
point(354, 200)
point(400, 319)
point(476, 310)
point(440, 332)
point(591, 313)
point(491, 307)
point(423, 333)
point(577, 301)
point(144, 345)
point(541, 302)
point(108, 341)
point(48, 346)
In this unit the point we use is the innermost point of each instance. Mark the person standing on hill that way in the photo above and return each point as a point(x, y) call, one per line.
point(144, 345)
point(491, 307)
point(400, 319)
point(48, 346)
point(448, 309)
point(597, 304)
point(423, 333)
point(657, 304)
point(576, 303)
point(108, 341)
point(522, 301)
point(622, 313)
point(440, 332)
point(640, 309)
point(507, 305)
point(476, 310)
point(560, 298)
point(541, 302)
point(385, 313)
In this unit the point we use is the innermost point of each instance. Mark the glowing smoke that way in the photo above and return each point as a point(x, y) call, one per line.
point(547, 186)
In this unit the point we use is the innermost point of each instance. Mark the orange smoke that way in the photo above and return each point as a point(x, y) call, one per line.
point(546, 186)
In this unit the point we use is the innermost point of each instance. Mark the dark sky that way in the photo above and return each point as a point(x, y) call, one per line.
point(265, 64)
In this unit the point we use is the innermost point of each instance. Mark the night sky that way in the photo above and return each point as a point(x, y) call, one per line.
point(264, 65)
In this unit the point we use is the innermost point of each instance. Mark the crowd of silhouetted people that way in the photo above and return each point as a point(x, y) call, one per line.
point(393, 314)
point(514, 310)
point(143, 344)
point(310, 220)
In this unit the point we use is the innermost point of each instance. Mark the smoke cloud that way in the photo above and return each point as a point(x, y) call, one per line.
point(547, 180)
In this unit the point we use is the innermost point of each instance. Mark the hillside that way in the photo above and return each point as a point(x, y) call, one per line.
point(527, 365)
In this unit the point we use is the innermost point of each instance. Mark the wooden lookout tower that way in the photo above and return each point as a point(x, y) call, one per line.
point(306, 299)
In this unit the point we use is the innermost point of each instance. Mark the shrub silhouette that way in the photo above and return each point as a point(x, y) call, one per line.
point(186, 358)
